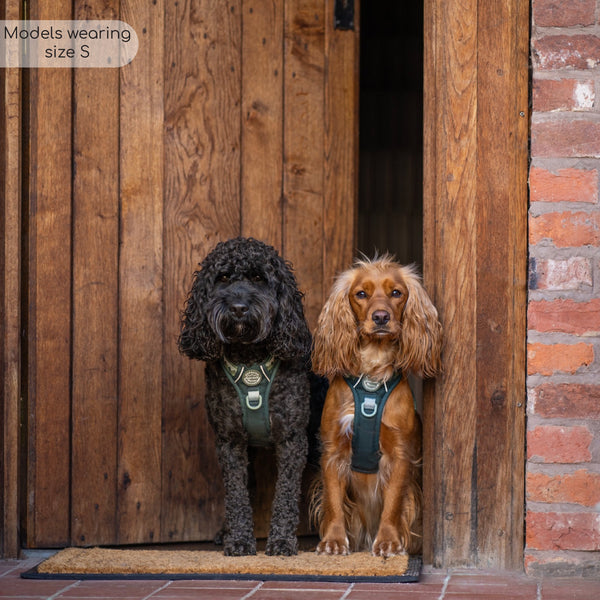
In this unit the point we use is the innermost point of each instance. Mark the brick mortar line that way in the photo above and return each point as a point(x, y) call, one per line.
point(445, 586)
point(536, 420)
point(563, 337)
point(539, 208)
point(560, 507)
point(582, 295)
point(555, 164)
point(542, 31)
point(551, 469)
point(536, 380)
point(566, 117)
point(541, 251)
point(563, 74)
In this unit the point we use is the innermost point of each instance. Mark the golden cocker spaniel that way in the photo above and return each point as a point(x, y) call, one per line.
point(377, 325)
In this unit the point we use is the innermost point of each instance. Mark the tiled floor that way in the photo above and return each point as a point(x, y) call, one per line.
point(434, 585)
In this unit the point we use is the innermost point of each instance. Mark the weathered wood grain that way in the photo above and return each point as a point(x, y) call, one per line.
point(475, 209)
point(49, 297)
point(141, 305)
point(304, 137)
point(10, 301)
point(501, 282)
point(262, 120)
point(340, 194)
point(262, 94)
point(202, 103)
point(454, 268)
point(95, 297)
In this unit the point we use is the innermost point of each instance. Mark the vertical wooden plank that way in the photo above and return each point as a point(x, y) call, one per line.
point(303, 185)
point(432, 472)
point(450, 258)
point(10, 298)
point(341, 145)
point(49, 297)
point(262, 171)
point(517, 273)
point(262, 119)
point(501, 282)
point(475, 257)
point(202, 206)
point(141, 278)
point(95, 300)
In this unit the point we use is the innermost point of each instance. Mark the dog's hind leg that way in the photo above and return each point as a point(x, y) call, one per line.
point(238, 534)
point(291, 460)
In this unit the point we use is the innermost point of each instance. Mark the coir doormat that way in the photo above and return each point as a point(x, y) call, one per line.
point(108, 563)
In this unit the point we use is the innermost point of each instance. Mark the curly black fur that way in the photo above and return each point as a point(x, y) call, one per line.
point(244, 304)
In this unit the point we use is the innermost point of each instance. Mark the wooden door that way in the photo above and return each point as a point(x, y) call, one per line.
point(239, 117)
point(235, 118)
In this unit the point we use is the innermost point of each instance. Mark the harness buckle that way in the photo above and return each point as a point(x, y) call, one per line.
point(369, 407)
point(254, 400)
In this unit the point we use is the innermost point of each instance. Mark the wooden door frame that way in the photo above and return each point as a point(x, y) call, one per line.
point(476, 87)
point(475, 256)
point(10, 284)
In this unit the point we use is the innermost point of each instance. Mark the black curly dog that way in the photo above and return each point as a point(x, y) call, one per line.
point(244, 308)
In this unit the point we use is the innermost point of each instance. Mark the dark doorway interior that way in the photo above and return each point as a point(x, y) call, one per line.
point(390, 206)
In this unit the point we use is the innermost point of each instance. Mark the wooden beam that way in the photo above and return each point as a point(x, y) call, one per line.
point(303, 150)
point(341, 146)
point(475, 207)
point(262, 121)
point(10, 298)
point(141, 279)
point(201, 207)
point(95, 296)
point(48, 318)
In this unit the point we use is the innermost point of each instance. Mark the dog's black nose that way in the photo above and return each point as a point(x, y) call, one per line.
point(381, 317)
point(239, 309)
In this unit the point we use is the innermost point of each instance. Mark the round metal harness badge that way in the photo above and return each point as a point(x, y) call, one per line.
point(252, 377)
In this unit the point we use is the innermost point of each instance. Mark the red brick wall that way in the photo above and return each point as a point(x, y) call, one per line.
point(563, 429)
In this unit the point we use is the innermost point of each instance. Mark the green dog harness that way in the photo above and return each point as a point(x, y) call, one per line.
point(370, 397)
point(252, 384)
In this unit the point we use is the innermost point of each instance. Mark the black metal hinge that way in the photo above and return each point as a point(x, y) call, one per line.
point(344, 14)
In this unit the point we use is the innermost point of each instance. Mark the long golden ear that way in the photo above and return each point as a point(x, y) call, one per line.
point(335, 341)
point(421, 339)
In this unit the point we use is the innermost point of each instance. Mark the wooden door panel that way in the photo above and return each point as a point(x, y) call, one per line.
point(49, 296)
point(11, 252)
point(202, 206)
point(95, 215)
point(262, 121)
point(222, 125)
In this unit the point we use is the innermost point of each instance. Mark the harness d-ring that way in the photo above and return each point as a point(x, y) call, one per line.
point(254, 400)
point(368, 408)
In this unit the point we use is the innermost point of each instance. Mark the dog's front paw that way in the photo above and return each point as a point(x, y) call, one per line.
point(335, 540)
point(388, 541)
point(333, 546)
point(282, 547)
point(386, 548)
point(239, 547)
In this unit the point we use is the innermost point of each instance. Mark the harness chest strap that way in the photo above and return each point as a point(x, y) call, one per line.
point(253, 384)
point(369, 401)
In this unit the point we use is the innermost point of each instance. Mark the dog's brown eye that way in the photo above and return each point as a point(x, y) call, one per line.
point(223, 278)
point(396, 294)
point(361, 295)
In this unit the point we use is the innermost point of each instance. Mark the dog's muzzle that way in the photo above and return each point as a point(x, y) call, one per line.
point(240, 315)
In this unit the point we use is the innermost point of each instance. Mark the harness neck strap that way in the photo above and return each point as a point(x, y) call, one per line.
point(253, 384)
point(370, 397)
